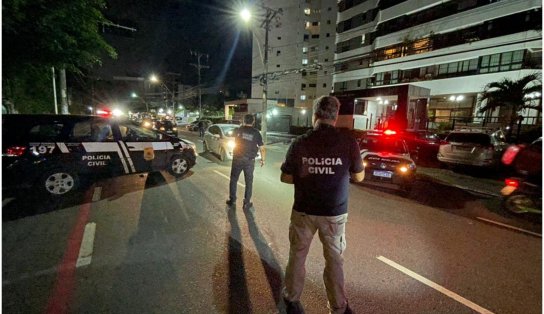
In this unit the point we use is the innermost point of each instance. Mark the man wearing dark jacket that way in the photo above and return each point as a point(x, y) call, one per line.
point(320, 165)
point(247, 141)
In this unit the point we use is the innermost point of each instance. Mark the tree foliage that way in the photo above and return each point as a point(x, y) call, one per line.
point(513, 96)
point(39, 34)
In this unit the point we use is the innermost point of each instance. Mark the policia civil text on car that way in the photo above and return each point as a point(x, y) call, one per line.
point(247, 141)
point(320, 164)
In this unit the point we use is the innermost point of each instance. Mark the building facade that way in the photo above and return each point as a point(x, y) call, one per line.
point(300, 58)
point(424, 62)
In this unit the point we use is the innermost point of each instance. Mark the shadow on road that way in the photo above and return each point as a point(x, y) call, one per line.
point(270, 263)
point(239, 301)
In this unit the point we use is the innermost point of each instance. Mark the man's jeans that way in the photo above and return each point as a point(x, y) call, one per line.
point(240, 164)
point(331, 230)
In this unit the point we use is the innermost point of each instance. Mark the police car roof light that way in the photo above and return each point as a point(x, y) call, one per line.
point(389, 132)
point(103, 113)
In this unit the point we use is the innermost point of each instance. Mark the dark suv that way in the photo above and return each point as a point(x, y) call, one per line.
point(387, 160)
point(51, 152)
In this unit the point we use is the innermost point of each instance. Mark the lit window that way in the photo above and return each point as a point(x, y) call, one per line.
point(308, 24)
point(304, 49)
point(302, 97)
point(363, 39)
point(304, 61)
point(307, 11)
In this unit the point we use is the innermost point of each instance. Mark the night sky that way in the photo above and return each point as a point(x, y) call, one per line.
point(166, 33)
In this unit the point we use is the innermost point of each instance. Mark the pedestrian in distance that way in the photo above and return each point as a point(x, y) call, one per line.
point(201, 128)
point(320, 165)
point(247, 142)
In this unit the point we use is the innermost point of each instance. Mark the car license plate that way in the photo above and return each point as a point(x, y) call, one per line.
point(463, 148)
point(383, 174)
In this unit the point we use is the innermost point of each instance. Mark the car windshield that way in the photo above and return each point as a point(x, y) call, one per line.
point(229, 130)
point(383, 145)
point(472, 138)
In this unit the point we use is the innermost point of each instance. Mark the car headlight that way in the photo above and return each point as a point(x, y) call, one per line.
point(403, 169)
point(174, 129)
point(365, 164)
point(147, 124)
point(162, 128)
point(231, 144)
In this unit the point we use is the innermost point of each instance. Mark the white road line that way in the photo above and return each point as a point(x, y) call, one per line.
point(97, 195)
point(509, 227)
point(435, 286)
point(86, 249)
point(228, 178)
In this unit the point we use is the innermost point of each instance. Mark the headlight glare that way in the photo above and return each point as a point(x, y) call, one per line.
point(231, 144)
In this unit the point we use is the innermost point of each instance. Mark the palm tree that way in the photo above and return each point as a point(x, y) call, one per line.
point(525, 93)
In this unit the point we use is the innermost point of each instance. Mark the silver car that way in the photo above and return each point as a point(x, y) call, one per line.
point(472, 148)
point(219, 139)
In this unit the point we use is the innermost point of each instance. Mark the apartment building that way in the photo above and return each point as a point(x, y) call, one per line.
point(417, 63)
point(300, 59)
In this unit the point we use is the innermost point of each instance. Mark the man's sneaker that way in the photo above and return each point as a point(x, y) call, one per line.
point(247, 206)
point(230, 202)
point(293, 307)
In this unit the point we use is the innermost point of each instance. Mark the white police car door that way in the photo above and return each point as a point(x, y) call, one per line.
point(145, 149)
point(91, 144)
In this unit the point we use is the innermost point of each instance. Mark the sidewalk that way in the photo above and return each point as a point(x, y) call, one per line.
point(484, 186)
point(466, 182)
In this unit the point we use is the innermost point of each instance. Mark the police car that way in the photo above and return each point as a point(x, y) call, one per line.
point(387, 160)
point(52, 152)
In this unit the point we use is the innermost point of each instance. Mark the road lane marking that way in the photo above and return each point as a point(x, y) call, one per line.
point(60, 298)
point(7, 200)
point(228, 178)
point(435, 286)
point(97, 195)
point(509, 227)
point(87, 244)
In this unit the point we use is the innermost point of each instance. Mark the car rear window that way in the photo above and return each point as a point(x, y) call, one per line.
point(229, 131)
point(472, 138)
point(383, 145)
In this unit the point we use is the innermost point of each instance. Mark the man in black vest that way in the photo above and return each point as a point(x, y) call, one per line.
point(248, 141)
point(320, 164)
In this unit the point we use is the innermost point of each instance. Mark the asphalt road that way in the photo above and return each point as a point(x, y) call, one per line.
point(156, 244)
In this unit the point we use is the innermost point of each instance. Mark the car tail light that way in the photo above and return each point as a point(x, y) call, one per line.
point(512, 182)
point(15, 151)
point(510, 154)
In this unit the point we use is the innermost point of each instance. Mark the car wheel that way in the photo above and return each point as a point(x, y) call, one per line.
point(518, 203)
point(59, 182)
point(178, 166)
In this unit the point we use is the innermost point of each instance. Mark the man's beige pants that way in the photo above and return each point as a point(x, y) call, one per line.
point(331, 230)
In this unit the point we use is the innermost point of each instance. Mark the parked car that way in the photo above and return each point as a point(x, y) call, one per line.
point(422, 144)
point(219, 139)
point(387, 160)
point(472, 148)
point(52, 152)
point(193, 126)
point(166, 126)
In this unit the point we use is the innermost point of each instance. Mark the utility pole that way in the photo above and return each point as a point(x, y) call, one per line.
point(269, 16)
point(63, 94)
point(199, 66)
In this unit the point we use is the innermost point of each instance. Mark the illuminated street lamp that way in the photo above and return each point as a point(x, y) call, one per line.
point(154, 79)
point(269, 15)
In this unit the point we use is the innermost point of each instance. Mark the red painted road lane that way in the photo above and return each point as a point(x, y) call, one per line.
point(59, 300)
